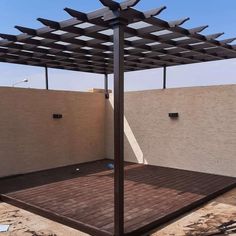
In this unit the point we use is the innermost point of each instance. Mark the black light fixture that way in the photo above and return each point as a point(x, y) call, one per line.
point(174, 115)
point(57, 116)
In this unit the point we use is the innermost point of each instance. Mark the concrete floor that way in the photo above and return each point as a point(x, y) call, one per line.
point(201, 222)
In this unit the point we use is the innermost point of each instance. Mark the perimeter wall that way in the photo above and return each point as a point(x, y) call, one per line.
point(203, 138)
point(31, 140)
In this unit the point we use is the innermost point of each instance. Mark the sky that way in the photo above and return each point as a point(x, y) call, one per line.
point(220, 15)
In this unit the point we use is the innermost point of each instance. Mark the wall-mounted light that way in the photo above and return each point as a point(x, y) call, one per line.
point(174, 115)
point(57, 116)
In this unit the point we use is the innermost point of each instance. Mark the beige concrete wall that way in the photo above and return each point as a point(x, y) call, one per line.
point(31, 140)
point(202, 139)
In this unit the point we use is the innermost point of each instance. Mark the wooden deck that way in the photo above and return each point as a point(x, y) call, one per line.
point(84, 199)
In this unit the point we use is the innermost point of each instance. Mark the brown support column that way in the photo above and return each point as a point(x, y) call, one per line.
point(117, 18)
point(106, 86)
point(164, 77)
point(119, 127)
point(46, 77)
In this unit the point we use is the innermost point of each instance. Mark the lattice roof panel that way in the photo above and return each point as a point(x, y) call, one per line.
point(85, 42)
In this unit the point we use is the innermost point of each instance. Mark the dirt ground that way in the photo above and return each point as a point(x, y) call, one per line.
point(204, 221)
point(23, 223)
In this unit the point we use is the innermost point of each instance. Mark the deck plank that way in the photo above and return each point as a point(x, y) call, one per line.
point(84, 199)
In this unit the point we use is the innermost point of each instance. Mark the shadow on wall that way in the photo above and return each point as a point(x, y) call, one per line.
point(133, 151)
point(202, 139)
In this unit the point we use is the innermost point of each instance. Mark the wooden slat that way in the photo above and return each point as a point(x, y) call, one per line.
point(143, 52)
point(84, 199)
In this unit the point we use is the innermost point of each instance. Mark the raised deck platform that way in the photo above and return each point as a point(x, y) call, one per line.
point(84, 199)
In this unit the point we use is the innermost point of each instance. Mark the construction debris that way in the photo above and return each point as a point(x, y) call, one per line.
point(217, 218)
point(4, 228)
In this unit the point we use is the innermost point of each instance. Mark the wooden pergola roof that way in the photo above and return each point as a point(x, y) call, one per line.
point(85, 42)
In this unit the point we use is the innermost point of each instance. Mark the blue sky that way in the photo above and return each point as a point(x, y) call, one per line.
point(218, 14)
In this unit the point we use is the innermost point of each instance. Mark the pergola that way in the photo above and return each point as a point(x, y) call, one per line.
point(114, 39)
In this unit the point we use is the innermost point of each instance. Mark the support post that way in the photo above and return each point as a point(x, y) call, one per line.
point(164, 77)
point(106, 86)
point(46, 77)
point(119, 127)
point(117, 18)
